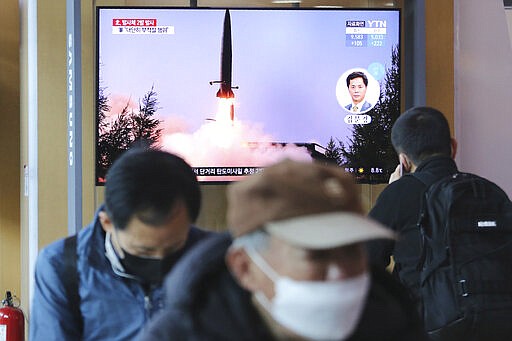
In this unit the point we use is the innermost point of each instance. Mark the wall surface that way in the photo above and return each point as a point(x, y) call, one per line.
point(508, 13)
point(439, 75)
point(52, 121)
point(483, 74)
point(9, 148)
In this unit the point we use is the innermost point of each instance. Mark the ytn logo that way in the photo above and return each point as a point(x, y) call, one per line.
point(377, 23)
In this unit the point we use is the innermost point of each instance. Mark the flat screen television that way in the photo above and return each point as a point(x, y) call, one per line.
point(232, 91)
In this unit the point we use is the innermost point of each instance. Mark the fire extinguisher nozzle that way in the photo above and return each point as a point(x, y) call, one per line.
point(8, 299)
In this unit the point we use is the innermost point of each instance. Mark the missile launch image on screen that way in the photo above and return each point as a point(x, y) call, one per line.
point(233, 88)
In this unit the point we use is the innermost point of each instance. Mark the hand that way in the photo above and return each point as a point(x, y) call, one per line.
point(395, 175)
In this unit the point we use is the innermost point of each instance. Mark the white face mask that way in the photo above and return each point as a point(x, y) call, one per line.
point(317, 310)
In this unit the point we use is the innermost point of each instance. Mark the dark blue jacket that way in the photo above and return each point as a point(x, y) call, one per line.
point(113, 307)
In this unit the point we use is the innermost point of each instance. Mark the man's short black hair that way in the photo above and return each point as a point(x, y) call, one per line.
point(357, 74)
point(421, 132)
point(147, 184)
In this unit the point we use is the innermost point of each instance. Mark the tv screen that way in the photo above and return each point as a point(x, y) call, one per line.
point(232, 91)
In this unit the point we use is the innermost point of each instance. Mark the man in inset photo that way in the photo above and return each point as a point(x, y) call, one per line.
point(357, 83)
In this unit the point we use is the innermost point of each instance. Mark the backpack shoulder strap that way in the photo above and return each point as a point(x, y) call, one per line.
point(71, 280)
point(427, 179)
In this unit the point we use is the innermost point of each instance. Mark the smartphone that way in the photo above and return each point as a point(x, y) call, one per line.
point(402, 169)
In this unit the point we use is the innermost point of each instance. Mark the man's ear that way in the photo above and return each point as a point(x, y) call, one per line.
point(240, 266)
point(406, 163)
point(453, 143)
point(105, 222)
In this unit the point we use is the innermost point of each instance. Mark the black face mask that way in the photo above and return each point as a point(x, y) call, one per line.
point(150, 270)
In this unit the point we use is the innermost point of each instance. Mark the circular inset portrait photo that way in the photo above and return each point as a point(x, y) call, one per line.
point(357, 91)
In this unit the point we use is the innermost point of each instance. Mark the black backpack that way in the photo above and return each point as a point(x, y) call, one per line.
point(466, 258)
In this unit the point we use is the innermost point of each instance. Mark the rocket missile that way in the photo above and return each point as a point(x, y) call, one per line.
point(225, 90)
point(225, 60)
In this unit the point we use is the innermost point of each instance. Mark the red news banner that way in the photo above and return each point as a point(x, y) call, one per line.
point(139, 26)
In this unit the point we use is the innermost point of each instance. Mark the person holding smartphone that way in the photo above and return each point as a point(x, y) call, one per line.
point(421, 137)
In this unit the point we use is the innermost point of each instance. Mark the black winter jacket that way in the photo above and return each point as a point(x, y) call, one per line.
point(398, 208)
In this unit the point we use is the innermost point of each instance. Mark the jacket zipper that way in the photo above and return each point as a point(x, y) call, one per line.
point(147, 305)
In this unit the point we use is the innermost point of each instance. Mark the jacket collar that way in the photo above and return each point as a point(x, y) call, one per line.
point(438, 161)
point(113, 258)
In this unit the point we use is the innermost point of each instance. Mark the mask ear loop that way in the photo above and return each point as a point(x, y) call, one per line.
point(109, 245)
point(255, 256)
point(119, 252)
point(261, 263)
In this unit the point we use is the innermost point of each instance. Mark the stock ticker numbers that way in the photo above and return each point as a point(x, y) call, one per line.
point(365, 33)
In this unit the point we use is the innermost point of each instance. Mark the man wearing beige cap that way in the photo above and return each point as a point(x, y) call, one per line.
point(293, 267)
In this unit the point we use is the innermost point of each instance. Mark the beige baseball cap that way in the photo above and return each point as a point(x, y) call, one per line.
point(307, 204)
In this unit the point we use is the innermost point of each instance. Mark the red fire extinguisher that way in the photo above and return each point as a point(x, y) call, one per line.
point(12, 321)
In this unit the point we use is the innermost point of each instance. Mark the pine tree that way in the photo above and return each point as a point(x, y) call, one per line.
point(112, 142)
point(332, 152)
point(144, 127)
point(128, 129)
point(102, 108)
point(370, 147)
